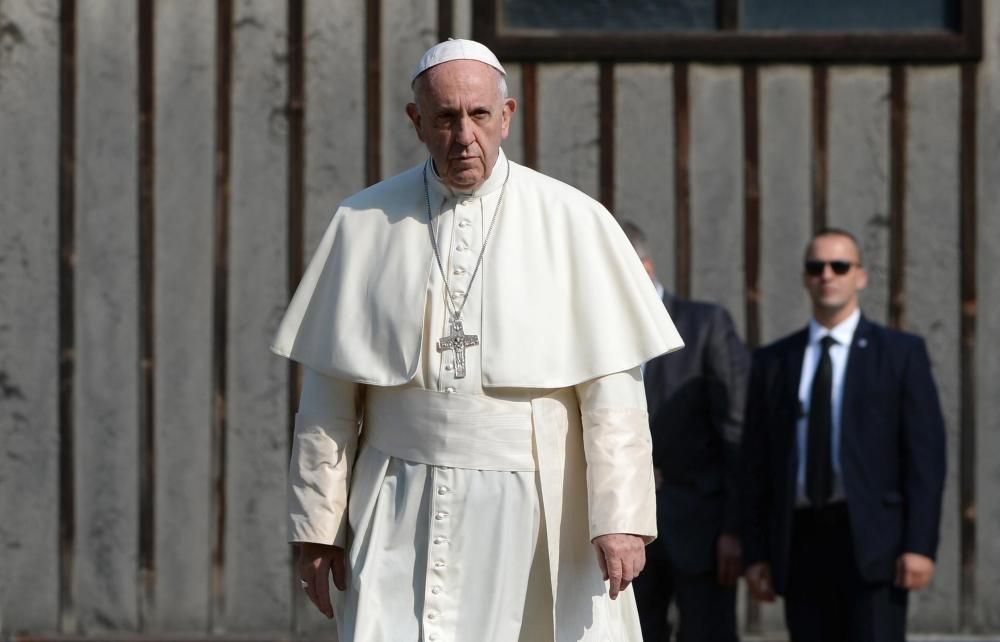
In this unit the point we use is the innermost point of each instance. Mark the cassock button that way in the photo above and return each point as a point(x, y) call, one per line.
point(440, 564)
point(459, 271)
point(447, 367)
point(440, 516)
point(432, 616)
point(463, 223)
point(449, 389)
point(436, 590)
point(443, 490)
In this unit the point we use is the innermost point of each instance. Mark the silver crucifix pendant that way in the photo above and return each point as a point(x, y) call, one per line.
point(457, 341)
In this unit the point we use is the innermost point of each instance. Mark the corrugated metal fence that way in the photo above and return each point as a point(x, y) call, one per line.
point(168, 166)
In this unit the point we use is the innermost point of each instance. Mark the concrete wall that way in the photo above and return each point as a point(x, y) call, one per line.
point(164, 176)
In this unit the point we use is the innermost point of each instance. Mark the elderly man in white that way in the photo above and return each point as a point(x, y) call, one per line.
point(472, 427)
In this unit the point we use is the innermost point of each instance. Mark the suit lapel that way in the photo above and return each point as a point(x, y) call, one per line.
point(793, 369)
point(860, 364)
point(655, 374)
point(674, 370)
point(670, 303)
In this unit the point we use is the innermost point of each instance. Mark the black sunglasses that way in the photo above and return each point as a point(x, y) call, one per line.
point(840, 268)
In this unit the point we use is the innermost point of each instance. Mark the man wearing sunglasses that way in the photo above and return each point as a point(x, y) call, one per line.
point(844, 462)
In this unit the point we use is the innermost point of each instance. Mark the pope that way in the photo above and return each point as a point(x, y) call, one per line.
point(472, 458)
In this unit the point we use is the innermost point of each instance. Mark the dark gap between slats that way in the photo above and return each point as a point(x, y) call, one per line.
point(147, 222)
point(223, 102)
point(67, 310)
point(682, 180)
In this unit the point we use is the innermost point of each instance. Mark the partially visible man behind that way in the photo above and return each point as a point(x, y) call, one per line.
point(481, 326)
point(695, 399)
point(844, 452)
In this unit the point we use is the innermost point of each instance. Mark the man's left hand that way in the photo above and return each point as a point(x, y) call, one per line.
point(914, 571)
point(729, 559)
point(621, 558)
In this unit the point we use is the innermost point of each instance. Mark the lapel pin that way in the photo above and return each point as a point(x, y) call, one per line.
point(862, 343)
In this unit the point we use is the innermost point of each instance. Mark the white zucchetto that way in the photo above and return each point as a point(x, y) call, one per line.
point(456, 49)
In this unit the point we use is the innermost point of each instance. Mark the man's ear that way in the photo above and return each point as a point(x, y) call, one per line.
point(509, 107)
point(414, 114)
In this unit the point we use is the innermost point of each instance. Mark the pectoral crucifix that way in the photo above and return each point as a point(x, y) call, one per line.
point(457, 341)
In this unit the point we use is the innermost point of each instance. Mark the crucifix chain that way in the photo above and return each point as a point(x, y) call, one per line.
point(458, 341)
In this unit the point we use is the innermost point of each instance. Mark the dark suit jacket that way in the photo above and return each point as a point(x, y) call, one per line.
point(892, 450)
point(695, 398)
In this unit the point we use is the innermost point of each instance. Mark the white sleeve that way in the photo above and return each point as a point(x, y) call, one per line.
point(323, 451)
point(617, 443)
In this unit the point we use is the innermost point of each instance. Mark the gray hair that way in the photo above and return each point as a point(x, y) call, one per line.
point(418, 84)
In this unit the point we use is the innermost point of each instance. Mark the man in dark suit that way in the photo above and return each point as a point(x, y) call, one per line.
point(695, 399)
point(843, 463)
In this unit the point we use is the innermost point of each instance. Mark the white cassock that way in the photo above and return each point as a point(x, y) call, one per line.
point(467, 504)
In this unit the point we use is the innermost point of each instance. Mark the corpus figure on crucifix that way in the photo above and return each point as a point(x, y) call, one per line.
point(457, 341)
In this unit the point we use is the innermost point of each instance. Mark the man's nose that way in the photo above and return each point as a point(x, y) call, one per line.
point(463, 131)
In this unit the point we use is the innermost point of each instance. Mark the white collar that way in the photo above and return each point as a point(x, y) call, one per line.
point(490, 185)
point(843, 332)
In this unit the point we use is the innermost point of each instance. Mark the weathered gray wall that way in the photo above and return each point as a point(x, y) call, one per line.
point(785, 185)
point(29, 316)
point(219, 262)
point(106, 405)
point(644, 154)
point(185, 259)
point(933, 296)
point(987, 371)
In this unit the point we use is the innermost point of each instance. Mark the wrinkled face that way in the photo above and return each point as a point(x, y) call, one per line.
point(831, 292)
point(461, 117)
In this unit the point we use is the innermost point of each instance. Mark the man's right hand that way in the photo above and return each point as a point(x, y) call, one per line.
point(316, 563)
point(759, 581)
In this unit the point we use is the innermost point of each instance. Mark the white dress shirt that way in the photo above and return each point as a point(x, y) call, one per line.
point(843, 334)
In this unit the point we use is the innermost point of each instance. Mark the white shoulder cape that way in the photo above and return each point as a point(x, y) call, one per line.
point(565, 298)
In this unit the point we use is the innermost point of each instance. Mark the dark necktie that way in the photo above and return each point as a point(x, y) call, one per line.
point(819, 469)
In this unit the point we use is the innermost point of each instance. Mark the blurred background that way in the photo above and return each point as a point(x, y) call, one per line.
point(167, 167)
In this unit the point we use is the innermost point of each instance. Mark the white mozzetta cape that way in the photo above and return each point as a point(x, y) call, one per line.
point(565, 298)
